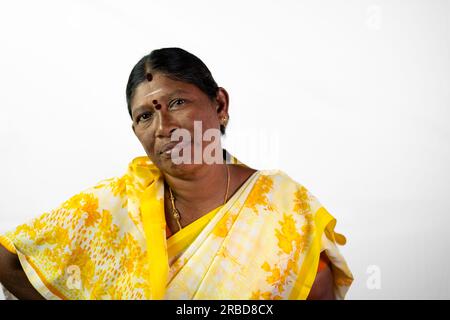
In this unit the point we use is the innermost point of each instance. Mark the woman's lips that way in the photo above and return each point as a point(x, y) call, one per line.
point(171, 147)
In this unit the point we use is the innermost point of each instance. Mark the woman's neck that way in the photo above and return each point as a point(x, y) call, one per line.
point(201, 192)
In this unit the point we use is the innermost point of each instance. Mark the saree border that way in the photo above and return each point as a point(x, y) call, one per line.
point(308, 271)
point(38, 280)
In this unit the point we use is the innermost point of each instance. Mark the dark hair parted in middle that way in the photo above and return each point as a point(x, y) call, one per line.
point(177, 64)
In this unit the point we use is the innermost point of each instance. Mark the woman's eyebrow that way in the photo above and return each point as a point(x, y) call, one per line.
point(177, 91)
point(173, 93)
point(137, 109)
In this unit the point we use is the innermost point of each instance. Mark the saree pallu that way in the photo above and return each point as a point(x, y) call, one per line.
point(109, 242)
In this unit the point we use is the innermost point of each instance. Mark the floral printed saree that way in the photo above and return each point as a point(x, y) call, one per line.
point(110, 242)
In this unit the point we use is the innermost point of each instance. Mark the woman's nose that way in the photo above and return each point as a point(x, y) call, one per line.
point(166, 123)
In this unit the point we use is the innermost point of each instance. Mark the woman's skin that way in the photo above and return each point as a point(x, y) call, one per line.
point(323, 286)
point(159, 107)
point(14, 279)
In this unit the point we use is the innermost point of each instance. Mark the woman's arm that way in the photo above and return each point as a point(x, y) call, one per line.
point(323, 286)
point(14, 279)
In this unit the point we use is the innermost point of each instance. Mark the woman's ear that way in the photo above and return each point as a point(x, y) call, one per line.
point(222, 101)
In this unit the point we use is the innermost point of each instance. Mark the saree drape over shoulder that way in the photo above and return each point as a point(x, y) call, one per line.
point(110, 242)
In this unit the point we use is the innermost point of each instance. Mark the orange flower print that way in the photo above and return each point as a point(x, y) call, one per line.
point(258, 196)
point(119, 188)
point(223, 226)
point(287, 234)
point(301, 201)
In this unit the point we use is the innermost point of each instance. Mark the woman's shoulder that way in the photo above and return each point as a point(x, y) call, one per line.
point(279, 176)
point(283, 186)
point(276, 178)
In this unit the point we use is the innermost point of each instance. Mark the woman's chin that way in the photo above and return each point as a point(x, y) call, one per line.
point(177, 168)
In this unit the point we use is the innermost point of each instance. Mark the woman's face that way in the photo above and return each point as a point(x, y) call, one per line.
point(162, 106)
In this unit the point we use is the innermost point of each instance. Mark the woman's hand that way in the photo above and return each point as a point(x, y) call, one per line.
point(14, 279)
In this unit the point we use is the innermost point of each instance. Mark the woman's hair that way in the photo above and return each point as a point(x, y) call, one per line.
point(176, 64)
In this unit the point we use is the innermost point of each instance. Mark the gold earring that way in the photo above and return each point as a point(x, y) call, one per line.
point(224, 120)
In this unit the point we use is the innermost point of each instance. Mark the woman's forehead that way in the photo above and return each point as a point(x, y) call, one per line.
point(161, 87)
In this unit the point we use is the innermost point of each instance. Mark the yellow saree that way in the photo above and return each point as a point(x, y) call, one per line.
point(109, 242)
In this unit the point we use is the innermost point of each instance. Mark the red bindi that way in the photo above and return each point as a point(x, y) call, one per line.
point(158, 106)
point(149, 77)
point(155, 101)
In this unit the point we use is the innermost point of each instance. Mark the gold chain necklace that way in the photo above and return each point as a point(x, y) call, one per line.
point(176, 213)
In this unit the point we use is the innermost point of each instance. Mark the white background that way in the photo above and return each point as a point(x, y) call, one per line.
point(350, 98)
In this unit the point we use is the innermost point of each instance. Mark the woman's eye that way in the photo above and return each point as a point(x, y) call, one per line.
point(143, 117)
point(177, 102)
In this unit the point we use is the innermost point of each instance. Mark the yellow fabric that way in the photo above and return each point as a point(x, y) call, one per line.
point(7, 244)
point(179, 241)
point(306, 278)
point(109, 242)
point(154, 223)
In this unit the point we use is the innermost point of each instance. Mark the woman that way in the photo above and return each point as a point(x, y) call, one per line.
point(181, 223)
